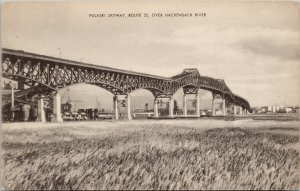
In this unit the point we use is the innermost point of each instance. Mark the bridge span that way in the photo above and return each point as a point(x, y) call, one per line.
point(45, 75)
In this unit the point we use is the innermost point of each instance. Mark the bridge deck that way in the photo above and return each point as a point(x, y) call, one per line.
point(76, 63)
point(55, 73)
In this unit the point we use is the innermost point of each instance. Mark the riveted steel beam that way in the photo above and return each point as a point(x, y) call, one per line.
point(55, 73)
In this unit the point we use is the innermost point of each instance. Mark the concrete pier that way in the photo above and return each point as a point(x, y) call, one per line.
point(184, 106)
point(155, 107)
point(234, 109)
point(224, 107)
point(41, 112)
point(57, 109)
point(213, 108)
point(115, 104)
point(171, 107)
point(198, 104)
point(127, 100)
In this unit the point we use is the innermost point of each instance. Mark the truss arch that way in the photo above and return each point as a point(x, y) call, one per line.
point(55, 73)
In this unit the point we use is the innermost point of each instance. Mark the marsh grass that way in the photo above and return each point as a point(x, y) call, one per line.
point(154, 157)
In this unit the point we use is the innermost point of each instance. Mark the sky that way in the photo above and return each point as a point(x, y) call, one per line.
point(253, 46)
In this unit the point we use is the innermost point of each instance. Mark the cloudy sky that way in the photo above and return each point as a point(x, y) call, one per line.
point(253, 46)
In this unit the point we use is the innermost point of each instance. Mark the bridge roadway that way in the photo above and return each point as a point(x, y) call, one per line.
point(46, 75)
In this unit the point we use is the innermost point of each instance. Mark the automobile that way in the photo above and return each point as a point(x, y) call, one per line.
point(103, 116)
point(77, 116)
point(281, 111)
point(83, 116)
point(209, 113)
point(203, 113)
point(67, 117)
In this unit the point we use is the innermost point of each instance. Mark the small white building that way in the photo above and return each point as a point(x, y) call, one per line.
point(273, 109)
point(288, 109)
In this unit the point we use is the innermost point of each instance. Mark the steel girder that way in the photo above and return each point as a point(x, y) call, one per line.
point(51, 74)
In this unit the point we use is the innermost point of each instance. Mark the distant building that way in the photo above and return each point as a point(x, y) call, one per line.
point(273, 109)
point(288, 109)
point(296, 109)
point(269, 109)
point(277, 108)
point(66, 107)
point(146, 107)
point(265, 109)
point(256, 110)
point(80, 111)
point(281, 111)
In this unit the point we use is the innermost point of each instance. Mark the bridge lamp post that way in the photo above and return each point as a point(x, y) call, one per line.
point(59, 52)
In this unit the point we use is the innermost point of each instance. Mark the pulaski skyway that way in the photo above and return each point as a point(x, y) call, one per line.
point(44, 75)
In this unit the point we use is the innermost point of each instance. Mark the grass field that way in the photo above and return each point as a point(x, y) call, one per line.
point(167, 154)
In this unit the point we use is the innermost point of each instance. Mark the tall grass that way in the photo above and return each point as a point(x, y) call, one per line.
point(156, 157)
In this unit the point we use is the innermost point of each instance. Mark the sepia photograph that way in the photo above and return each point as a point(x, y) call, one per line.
point(150, 95)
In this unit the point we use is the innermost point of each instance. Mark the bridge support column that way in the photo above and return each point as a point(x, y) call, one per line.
point(241, 111)
point(245, 111)
point(198, 104)
point(234, 109)
point(224, 107)
point(116, 112)
point(127, 100)
point(213, 110)
point(41, 112)
point(155, 108)
point(12, 102)
point(57, 109)
point(171, 106)
point(184, 106)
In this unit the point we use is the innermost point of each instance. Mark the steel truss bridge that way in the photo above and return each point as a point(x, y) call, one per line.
point(45, 75)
